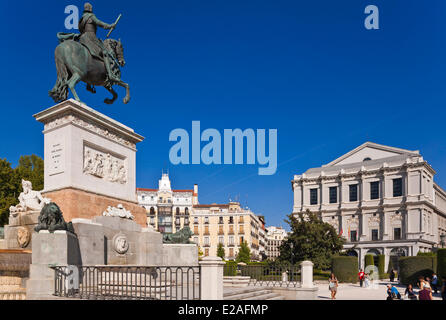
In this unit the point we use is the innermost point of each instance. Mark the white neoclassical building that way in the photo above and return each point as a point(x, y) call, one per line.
point(381, 199)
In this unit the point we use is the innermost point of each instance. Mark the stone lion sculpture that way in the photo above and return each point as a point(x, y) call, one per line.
point(182, 236)
point(51, 219)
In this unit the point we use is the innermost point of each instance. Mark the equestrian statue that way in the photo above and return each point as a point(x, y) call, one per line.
point(84, 57)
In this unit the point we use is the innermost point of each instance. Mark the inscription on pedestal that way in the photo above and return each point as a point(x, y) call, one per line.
point(57, 157)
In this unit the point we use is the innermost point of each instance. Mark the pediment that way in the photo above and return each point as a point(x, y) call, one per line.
point(369, 151)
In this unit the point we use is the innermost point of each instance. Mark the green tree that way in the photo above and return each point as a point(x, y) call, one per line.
point(244, 254)
point(310, 239)
point(8, 190)
point(221, 251)
point(29, 168)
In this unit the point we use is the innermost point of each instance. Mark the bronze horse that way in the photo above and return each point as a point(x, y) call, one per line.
point(74, 63)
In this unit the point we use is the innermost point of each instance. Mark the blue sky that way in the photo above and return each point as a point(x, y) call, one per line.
point(308, 68)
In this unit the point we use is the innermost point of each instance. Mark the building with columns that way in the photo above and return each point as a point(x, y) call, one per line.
point(381, 199)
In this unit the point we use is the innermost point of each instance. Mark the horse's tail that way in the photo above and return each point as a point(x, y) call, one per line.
point(60, 90)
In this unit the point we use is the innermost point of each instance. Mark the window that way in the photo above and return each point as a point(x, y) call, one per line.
point(231, 220)
point(375, 234)
point(196, 220)
point(374, 190)
point(231, 240)
point(366, 159)
point(206, 241)
point(397, 187)
point(206, 219)
point(333, 191)
point(196, 240)
point(221, 240)
point(353, 236)
point(353, 192)
point(195, 229)
point(177, 211)
point(220, 220)
point(313, 196)
point(396, 233)
point(206, 252)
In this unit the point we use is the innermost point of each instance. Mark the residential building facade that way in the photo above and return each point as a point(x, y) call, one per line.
point(381, 199)
point(274, 239)
point(168, 210)
point(228, 224)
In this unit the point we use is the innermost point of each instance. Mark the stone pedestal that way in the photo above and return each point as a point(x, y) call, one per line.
point(18, 232)
point(90, 161)
point(306, 273)
point(211, 278)
point(58, 248)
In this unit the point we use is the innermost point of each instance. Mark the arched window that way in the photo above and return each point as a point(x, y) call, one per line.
point(152, 210)
point(367, 159)
point(177, 211)
point(186, 211)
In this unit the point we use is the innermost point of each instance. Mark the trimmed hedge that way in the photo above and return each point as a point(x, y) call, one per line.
point(441, 263)
point(345, 268)
point(368, 260)
point(381, 265)
point(411, 268)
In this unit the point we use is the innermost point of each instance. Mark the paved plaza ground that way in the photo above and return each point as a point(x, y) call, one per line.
point(349, 291)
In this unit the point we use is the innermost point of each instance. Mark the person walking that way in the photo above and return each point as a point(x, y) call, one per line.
point(409, 293)
point(392, 275)
point(361, 277)
point(333, 286)
point(366, 280)
point(434, 283)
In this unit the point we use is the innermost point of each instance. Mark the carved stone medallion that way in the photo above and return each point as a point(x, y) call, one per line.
point(120, 243)
point(23, 237)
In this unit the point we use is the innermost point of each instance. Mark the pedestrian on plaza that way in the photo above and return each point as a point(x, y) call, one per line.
point(420, 283)
point(443, 287)
point(409, 293)
point(392, 293)
point(392, 275)
point(366, 280)
point(425, 293)
point(333, 286)
point(427, 283)
point(361, 277)
point(434, 283)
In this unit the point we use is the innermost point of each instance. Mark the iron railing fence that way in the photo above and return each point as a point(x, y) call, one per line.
point(128, 282)
point(267, 275)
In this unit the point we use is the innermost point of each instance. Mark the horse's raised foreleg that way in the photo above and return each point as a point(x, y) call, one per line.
point(113, 92)
point(127, 90)
point(75, 78)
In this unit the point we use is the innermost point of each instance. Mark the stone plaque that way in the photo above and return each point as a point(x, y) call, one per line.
point(57, 157)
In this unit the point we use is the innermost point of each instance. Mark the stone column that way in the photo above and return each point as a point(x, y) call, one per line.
point(306, 273)
point(211, 282)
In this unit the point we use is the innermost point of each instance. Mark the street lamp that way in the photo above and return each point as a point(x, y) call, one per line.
point(442, 237)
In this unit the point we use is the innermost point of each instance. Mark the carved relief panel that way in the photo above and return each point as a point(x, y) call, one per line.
point(105, 165)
